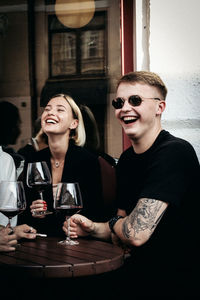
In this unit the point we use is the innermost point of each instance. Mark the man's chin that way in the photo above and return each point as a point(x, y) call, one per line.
point(131, 134)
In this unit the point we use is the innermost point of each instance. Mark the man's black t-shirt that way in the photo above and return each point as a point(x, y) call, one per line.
point(168, 171)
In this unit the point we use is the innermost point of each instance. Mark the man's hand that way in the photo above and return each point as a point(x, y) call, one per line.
point(79, 226)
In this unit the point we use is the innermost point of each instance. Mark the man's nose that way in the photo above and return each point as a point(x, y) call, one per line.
point(126, 106)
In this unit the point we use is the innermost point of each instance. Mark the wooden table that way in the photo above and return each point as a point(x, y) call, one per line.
point(45, 258)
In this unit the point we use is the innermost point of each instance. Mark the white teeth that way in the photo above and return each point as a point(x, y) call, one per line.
point(51, 121)
point(129, 118)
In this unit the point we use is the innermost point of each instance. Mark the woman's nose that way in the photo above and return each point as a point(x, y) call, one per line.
point(51, 112)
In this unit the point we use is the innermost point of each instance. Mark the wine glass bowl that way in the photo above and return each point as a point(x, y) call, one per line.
point(12, 199)
point(68, 201)
point(38, 177)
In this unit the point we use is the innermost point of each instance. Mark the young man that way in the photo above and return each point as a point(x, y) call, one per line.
point(158, 194)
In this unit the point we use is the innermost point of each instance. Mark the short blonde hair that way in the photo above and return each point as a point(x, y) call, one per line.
point(78, 134)
point(146, 77)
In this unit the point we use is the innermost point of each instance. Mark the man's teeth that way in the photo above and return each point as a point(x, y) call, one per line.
point(129, 119)
point(51, 121)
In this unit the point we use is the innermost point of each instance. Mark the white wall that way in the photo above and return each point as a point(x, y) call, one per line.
point(168, 43)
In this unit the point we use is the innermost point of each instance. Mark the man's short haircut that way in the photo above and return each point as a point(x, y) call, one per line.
point(145, 77)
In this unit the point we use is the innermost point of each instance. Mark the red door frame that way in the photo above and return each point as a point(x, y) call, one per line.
point(127, 49)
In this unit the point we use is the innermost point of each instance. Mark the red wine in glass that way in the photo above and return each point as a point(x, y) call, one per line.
point(9, 212)
point(12, 199)
point(38, 177)
point(68, 210)
point(68, 201)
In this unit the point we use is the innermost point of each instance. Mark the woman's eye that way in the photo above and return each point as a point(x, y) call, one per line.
point(60, 110)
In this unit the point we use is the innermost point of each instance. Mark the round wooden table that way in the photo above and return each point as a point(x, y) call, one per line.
point(45, 258)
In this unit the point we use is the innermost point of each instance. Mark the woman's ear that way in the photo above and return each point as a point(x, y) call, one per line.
point(74, 124)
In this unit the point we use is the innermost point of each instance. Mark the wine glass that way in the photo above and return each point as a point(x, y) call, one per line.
point(38, 177)
point(12, 199)
point(68, 201)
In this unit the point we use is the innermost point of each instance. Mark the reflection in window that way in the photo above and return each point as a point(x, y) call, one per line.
point(63, 53)
point(70, 46)
point(77, 52)
point(92, 51)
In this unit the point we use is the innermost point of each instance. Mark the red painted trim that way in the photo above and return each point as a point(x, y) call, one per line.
point(127, 35)
point(127, 57)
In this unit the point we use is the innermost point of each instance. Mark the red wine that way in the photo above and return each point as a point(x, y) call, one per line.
point(69, 210)
point(39, 186)
point(10, 213)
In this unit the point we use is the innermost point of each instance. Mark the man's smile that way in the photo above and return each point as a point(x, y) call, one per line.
point(129, 119)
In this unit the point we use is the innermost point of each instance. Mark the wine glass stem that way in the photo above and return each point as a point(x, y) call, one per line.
point(41, 195)
point(9, 222)
point(68, 229)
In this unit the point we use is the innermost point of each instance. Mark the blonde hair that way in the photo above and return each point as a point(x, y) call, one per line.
point(146, 77)
point(78, 134)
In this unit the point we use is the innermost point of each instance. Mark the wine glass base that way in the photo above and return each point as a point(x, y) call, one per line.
point(17, 246)
point(48, 213)
point(68, 242)
point(42, 213)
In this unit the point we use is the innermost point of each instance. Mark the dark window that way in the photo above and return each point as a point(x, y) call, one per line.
point(77, 52)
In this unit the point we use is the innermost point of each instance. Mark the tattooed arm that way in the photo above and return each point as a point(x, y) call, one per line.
point(138, 227)
point(133, 230)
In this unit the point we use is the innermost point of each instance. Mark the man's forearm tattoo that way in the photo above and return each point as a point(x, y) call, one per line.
point(144, 217)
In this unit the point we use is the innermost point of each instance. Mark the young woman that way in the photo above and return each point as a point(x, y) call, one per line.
point(68, 161)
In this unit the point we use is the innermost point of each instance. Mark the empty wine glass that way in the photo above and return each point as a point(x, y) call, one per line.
point(68, 201)
point(38, 177)
point(12, 199)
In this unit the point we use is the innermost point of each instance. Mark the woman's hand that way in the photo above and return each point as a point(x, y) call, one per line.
point(8, 239)
point(38, 206)
point(25, 231)
point(9, 236)
point(79, 226)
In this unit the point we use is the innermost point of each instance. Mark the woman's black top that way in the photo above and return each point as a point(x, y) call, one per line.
point(80, 166)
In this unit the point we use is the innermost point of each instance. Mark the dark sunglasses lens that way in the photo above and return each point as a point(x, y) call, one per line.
point(118, 103)
point(135, 100)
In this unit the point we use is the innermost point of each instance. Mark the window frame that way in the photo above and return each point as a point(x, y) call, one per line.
point(78, 48)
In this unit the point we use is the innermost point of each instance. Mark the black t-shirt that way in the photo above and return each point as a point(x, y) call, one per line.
point(168, 171)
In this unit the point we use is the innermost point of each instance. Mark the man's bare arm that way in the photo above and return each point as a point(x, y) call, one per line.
point(138, 227)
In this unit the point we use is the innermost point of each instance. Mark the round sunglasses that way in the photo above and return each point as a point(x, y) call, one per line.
point(133, 100)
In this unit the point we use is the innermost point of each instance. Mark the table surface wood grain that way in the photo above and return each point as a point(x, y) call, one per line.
point(45, 258)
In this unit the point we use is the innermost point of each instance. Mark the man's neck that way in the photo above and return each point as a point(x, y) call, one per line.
point(145, 142)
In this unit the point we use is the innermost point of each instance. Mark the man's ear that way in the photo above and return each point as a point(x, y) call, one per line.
point(161, 107)
point(74, 124)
